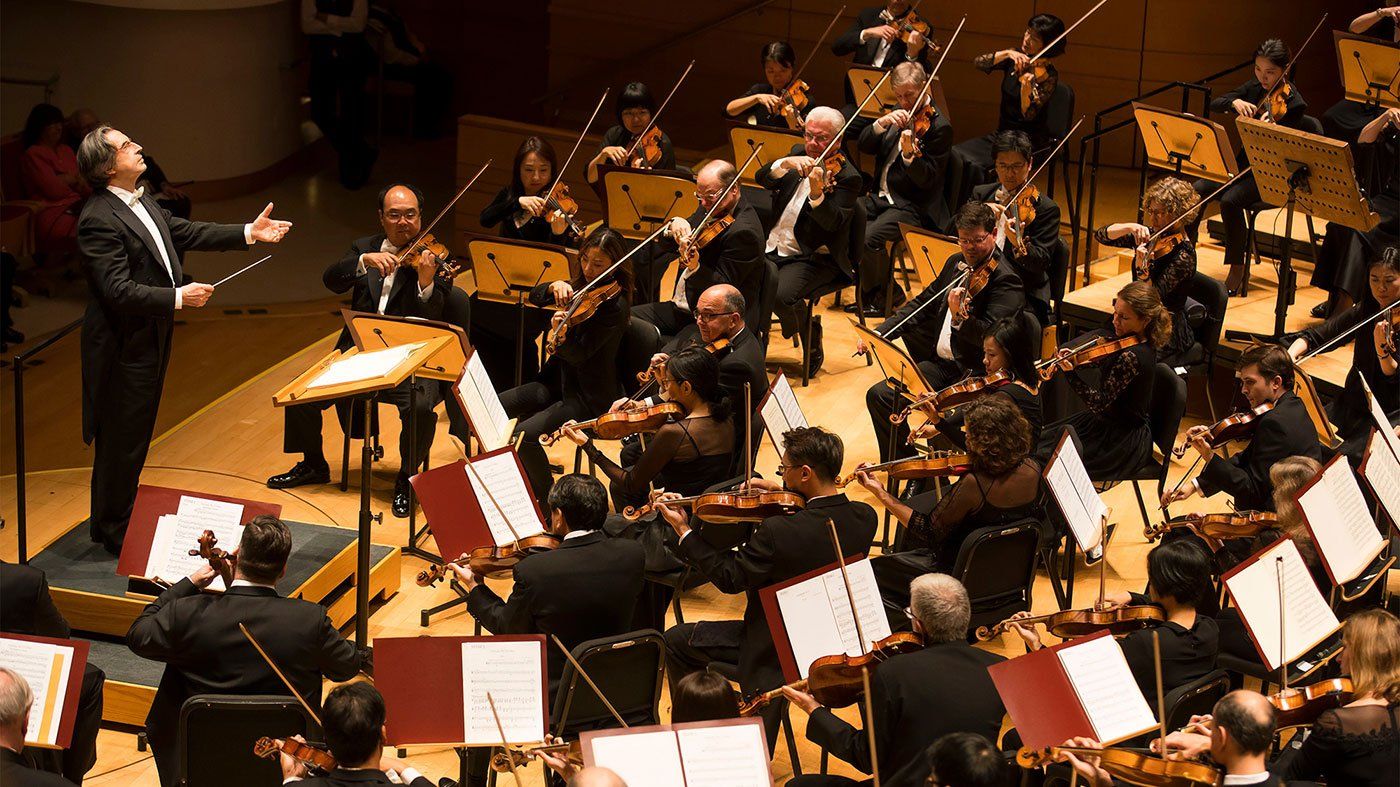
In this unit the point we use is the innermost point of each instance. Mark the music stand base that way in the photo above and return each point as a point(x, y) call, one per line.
point(425, 617)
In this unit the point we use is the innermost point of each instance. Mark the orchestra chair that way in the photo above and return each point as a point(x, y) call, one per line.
point(1200, 359)
point(1318, 663)
point(217, 732)
point(382, 86)
point(1253, 255)
point(997, 566)
point(730, 672)
point(628, 669)
point(855, 250)
point(1164, 412)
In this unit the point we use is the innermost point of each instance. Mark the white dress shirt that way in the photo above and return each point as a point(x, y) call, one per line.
point(782, 239)
point(945, 337)
point(424, 293)
point(1252, 778)
point(882, 51)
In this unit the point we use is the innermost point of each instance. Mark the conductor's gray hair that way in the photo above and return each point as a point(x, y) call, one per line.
point(940, 604)
point(97, 157)
point(15, 697)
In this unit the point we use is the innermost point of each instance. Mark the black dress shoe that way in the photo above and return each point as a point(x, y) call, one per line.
point(816, 356)
point(401, 498)
point(1322, 310)
point(301, 474)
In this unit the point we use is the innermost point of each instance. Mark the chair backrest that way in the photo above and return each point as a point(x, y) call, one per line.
point(1310, 124)
point(11, 186)
point(1167, 406)
point(627, 669)
point(217, 732)
point(961, 177)
point(997, 564)
point(1196, 698)
point(639, 342)
point(1059, 112)
point(1210, 292)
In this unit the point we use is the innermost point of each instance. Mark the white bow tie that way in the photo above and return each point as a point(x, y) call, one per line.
point(135, 196)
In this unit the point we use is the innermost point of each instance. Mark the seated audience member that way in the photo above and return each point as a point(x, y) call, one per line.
point(48, 171)
point(16, 699)
point(354, 718)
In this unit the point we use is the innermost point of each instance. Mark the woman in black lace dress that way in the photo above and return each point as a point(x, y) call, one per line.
point(1357, 744)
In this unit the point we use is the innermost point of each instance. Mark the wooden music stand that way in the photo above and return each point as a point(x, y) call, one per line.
point(901, 372)
point(862, 79)
point(1184, 144)
point(299, 391)
point(506, 270)
point(637, 201)
point(776, 144)
point(1370, 74)
point(1308, 172)
point(1306, 389)
point(929, 250)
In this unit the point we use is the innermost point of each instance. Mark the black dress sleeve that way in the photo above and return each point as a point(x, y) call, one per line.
point(659, 452)
point(1122, 370)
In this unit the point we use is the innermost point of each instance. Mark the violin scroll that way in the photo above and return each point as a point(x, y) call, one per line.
point(222, 562)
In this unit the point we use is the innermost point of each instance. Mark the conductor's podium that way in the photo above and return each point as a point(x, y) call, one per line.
point(100, 605)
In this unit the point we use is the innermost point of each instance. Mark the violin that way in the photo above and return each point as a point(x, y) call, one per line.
point(1132, 767)
point(743, 505)
point(1024, 206)
point(308, 755)
point(558, 199)
point(831, 169)
point(1097, 352)
point(491, 561)
point(447, 267)
point(222, 562)
point(936, 464)
point(1391, 321)
point(953, 396)
point(624, 423)
point(505, 760)
point(645, 150)
point(711, 348)
point(795, 100)
point(1035, 79)
point(977, 281)
point(1070, 623)
point(1160, 247)
point(1299, 707)
point(838, 682)
point(690, 254)
point(584, 306)
point(1239, 426)
point(1237, 524)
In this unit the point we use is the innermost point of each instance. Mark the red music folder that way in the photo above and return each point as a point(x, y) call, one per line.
point(1081, 687)
point(29, 665)
point(425, 690)
point(153, 502)
point(873, 621)
point(459, 517)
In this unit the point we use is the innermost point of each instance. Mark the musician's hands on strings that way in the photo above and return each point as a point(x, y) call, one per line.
point(1028, 633)
point(679, 229)
point(677, 517)
point(571, 431)
point(562, 292)
point(266, 229)
point(1243, 108)
point(557, 762)
point(1086, 765)
point(1182, 745)
point(468, 578)
point(804, 701)
point(868, 479)
point(886, 33)
point(292, 768)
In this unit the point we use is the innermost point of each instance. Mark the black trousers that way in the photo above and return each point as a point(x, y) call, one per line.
point(303, 424)
point(882, 226)
point(684, 657)
point(668, 318)
point(126, 420)
point(1233, 201)
point(798, 278)
point(881, 400)
point(540, 410)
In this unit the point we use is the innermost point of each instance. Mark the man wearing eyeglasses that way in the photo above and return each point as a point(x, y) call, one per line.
point(734, 257)
point(380, 285)
point(1040, 237)
point(943, 325)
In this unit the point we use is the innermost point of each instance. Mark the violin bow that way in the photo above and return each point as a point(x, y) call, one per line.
point(505, 745)
point(1353, 329)
point(1161, 695)
point(633, 148)
point(283, 678)
point(748, 435)
point(1030, 180)
point(850, 595)
point(927, 90)
point(583, 672)
point(1057, 39)
point(820, 40)
point(445, 209)
point(729, 187)
point(559, 176)
point(1288, 69)
point(514, 534)
point(869, 720)
point(836, 140)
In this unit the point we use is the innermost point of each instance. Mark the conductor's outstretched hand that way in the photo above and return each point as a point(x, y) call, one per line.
point(266, 229)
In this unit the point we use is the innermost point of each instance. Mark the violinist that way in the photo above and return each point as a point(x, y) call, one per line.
point(197, 637)
point(762, 105)
point(1270, 60)
point(520, 208)
point(581, 379)
point(1345, 118)
point(634, 108)
point(1112, 432)
point(814, 212)
point(945, 338)
point(1003, 486)
point(1266, 377)
point(1171, 263)
point(356, 735)
point(734, 256)
point(1030, 248)
point(915, 697)
point(1373, 355)
point(1026, 88)
point(877, 38)
point(908, 185)
point(379, 284)
point(781, 547)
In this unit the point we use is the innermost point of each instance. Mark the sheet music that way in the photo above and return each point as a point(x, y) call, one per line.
point(1382, 420)
point(1106, 688)
point(502, 476)
point(1074, 492)
point(781, 411)
point(363, 366)
point(1341, 525)
point(45, 667)
point(733, 755)
point(178, 533)
point(483, 405)
point(642, 759)
point(817, 614)
point(1255, 589)
point(1382, 473)
point(512, 673)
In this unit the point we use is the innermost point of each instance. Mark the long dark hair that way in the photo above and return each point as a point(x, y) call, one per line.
point(608, 241)
point(1016, 337)
point(1048, 27)
point(700, 368)
point(40, 117)
point(538, 145)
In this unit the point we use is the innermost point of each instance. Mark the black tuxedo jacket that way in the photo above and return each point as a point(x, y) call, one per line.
point(743, 363)
point(827, 224)
point(367, 289)
point(780, 548)
point(1042, 240)
point(26, 607)
point(126, 329)
point(588, 353)
point(941, 689)
point(849, 42)
point(343, 778)
point(15, 769)
point(735, 257)
point(918, 185)
point(585, 589)
point(197, 636)
point(1003, 296)
point(1284, 431)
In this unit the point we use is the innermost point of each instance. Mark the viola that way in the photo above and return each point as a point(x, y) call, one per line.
point(1097, 352)
point(1298, 707)
point(645, 151)
point(1237, 524)
point(308, 755)
point(977, 280)
point(1070, 623)
point(506, 760)
point(584, 306)
point(1239, 426)
point(743, 505)
point(624, 423)
point(836, 681)
point(953, 396)
point(711, 348)
point(222, 562)
point(558, 199)
point(936, 464)
point(1161, 247)
point(1133, 767)
point(690, 253)
point(795, 100)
